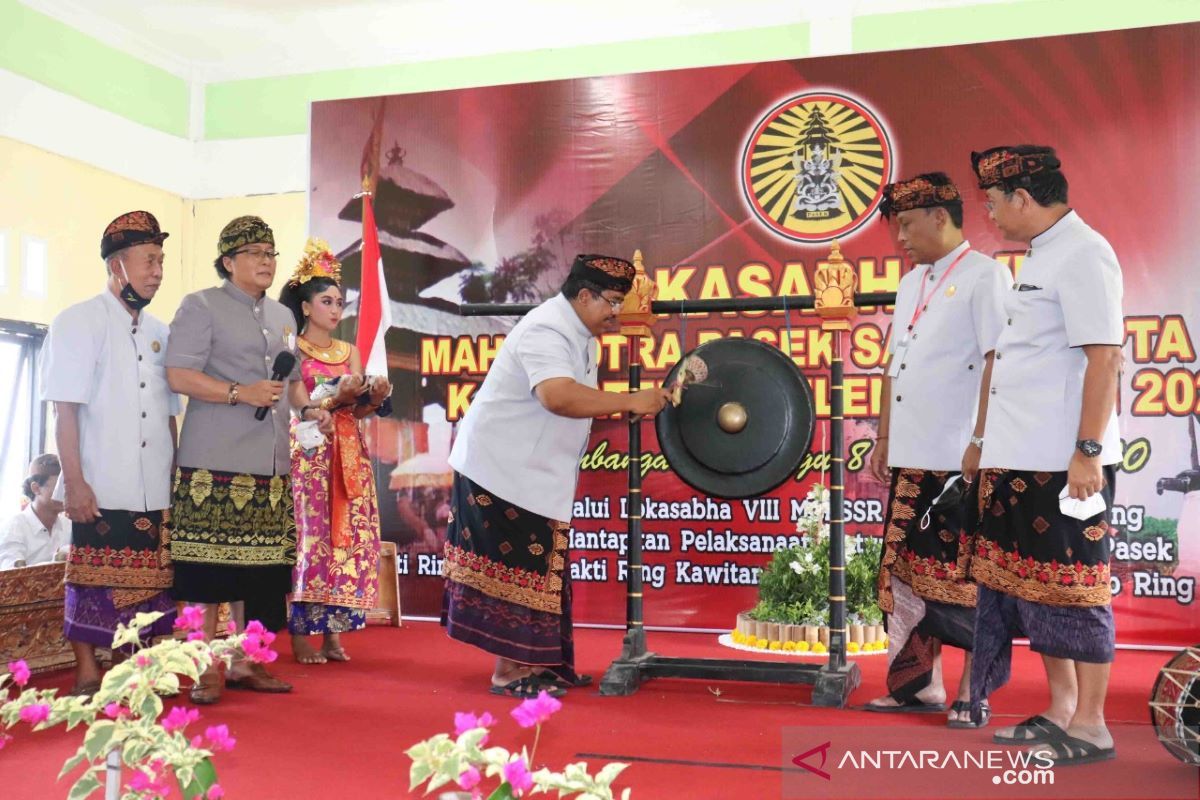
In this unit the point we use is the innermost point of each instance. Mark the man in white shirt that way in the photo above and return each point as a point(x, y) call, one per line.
point(116, 435)
point(516, 463)
point(39, 534)
point(947, 317)
point(1041, 565)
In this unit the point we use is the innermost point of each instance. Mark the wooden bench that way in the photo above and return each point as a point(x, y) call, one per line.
point(31, 618)
point(387, 610)
point(32, 600)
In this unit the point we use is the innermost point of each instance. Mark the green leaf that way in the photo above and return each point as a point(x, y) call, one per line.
point(610, 772)
point(83, 787)
point(73, 762)
point(419, 773)
point(151, 706)
point(98, 740)
point(503, 792)
point(203, 777)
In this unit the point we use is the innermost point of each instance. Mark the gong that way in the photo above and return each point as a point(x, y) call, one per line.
point(744, 419)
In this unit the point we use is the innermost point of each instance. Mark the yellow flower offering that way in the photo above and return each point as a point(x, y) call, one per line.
point(802, 647)
point(776, 645)
point(789, 647)
point(853, 647)
point(820, 648)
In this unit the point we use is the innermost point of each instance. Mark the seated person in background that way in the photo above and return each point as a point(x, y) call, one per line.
point(39, 534)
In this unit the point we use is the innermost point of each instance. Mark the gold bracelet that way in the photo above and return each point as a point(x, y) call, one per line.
point(328, 404)
point(233, 393)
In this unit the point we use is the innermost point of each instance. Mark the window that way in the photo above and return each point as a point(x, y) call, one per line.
point(3, 260)
point(22, 414)
point(34, 268)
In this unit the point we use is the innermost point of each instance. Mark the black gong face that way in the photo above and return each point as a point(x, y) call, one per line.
point(779, 420)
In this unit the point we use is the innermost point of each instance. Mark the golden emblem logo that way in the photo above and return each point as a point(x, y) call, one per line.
point(815, 165)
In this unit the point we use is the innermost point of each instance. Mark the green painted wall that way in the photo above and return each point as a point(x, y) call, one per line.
point(58, 56)
point(1014, 20)
point(40, 48)
point(279, 106)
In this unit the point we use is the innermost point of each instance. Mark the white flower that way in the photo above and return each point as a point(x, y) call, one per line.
point(797, 567)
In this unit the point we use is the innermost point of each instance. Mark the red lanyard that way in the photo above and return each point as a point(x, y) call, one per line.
point(921, 303)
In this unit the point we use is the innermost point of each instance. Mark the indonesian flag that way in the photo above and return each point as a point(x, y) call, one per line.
point(374, 305)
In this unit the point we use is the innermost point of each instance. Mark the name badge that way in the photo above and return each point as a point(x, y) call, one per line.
point(898, 357)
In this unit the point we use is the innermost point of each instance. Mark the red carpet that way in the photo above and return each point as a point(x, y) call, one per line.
point(343, 732)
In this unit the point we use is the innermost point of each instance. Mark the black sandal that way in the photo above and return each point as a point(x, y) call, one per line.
point(548, 678)
point(526, 688)
point(1073, 750)
point(961, 707)
point(1035, 730)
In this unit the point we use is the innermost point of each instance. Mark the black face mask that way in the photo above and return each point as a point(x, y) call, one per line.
point(129, 295)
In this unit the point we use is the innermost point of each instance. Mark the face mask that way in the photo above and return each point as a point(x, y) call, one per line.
point(129, 295)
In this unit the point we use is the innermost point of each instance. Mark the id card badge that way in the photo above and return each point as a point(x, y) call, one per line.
point(898, 357)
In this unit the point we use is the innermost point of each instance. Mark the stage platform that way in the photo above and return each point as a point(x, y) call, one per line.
point(343, 732)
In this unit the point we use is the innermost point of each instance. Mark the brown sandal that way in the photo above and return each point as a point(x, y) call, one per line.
point(207, 690)
point(259, 680)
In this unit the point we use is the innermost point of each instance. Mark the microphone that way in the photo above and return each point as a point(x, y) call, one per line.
point(284, 363)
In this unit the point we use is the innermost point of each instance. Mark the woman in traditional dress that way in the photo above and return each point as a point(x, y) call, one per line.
point(334, 582)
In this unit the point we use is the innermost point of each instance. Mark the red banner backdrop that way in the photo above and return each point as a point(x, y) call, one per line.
point(732, 181)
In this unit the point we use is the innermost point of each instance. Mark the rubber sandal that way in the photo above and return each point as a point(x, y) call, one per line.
point(1072, 750)
point(964, 707)
point(1035, 730)
point(526, 688)
point(914, 707)
point(548, 678)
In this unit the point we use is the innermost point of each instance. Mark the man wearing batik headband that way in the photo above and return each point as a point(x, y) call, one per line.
point(1041, 558)
point(516, 463)
point(115, 431)
point(233, 536)
point(947, 317)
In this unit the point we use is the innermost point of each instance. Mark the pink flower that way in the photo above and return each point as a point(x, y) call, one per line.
point(196, 636)
point(219, 738)
point(116, 711)
point(4, 739)
point(467, 721)
point(536, 710)
point(215, 792)
point(469, 778)
point(257, 644)
point(191, 619)
point(154, 784)
point(179, 718)
point(38, 712)
point(20, 671)
point(143, 660)
point(231, 628)
point(518, 777)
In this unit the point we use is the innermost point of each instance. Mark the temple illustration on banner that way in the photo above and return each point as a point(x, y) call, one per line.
point(410, 458)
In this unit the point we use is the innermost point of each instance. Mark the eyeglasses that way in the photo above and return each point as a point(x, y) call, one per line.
point(268, 255)
point(615, 304)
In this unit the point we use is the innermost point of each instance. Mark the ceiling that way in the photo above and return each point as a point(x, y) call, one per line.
point(206, 41)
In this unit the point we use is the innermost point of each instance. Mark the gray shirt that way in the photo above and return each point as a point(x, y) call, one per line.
point(228, 335)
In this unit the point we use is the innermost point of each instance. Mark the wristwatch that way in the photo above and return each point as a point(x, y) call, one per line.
point(977, 441)
point(1089, 447)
